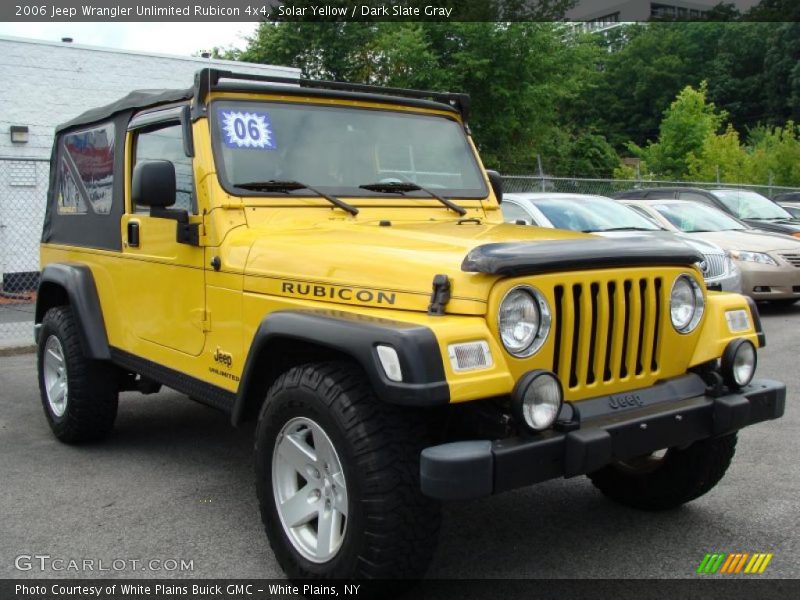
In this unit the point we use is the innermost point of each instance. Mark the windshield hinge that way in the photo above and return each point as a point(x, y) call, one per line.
point(440, 295)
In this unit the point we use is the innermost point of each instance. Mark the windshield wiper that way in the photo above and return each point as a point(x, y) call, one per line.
point(407, 186)
point(278, 185)
point(624, 229)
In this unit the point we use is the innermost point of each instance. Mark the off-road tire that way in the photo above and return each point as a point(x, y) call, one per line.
point(93, 391)
point(392, 529)
point(681, 476)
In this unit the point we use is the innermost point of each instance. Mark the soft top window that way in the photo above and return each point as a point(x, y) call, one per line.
point(86, 171)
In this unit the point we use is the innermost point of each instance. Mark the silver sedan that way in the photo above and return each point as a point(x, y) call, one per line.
point(604, 216)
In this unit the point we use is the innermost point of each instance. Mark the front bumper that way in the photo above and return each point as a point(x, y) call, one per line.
point(730, 282)
point(774, 283)
point(673, 413)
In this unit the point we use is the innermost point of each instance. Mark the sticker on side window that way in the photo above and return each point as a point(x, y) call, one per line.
point(244, 129)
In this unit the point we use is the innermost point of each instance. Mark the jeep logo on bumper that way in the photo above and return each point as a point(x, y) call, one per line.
point(625, 401)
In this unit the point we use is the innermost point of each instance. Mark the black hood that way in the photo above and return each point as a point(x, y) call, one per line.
point(787, 226)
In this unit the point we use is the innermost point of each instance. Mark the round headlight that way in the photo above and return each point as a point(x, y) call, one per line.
point(537, 399)
point(686, 304)
point(524, 321)
point(739, 363)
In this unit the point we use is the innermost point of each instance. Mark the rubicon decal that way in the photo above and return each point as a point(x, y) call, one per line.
point(332, 292)
point(735, 563)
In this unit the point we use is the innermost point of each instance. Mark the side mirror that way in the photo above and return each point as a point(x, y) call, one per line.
point(496, 181)
point(153, 184)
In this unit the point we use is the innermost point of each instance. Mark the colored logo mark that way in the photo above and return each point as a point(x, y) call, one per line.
point(731, 564)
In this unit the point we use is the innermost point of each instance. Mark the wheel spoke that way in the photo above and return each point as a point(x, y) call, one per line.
point(53, 392)
point(60, 393)
point(57, 356)
point(327, 532)
point(340, 494)
point(297, 453)
point(322, 446)
point(300, 508)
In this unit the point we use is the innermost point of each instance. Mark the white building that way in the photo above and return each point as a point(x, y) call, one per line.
point(47, 83)
point(44, 84)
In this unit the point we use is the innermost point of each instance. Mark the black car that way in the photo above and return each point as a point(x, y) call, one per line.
point(754, 209)
point(790, 201)
point(786, 197)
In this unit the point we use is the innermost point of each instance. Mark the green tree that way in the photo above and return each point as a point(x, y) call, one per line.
point(683, 130)
point(720, 156)
point(338, 51)
point(521, 76)
point(775, 11)
point(642, 71)
point(782, 73)
point(775, 155)
point(735, 75)
point(590, 155)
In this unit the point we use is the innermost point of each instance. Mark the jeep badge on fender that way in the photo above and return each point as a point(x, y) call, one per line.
point(330, 260)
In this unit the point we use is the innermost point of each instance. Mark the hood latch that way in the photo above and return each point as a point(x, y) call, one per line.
point(440, 295)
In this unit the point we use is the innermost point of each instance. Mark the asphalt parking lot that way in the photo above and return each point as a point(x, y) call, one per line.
point(175, 481)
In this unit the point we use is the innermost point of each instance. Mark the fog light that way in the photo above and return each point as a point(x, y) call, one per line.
point(537, 398)
point(739, 363)
point(390, 362)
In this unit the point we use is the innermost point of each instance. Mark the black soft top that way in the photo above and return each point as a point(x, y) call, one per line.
point(134, 101)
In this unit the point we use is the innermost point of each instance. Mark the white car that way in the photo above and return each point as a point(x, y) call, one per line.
point(609, 218)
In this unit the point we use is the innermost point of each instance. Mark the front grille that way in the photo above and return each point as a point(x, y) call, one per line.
point(793, 259)
point(607, 331)
point(715, 265)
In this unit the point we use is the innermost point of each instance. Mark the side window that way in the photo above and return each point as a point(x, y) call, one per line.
point(166, 143)
point(86, 172)
point(513, 212)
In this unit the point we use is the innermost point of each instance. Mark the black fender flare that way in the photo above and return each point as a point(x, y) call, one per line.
point(356, 336)
point(78, 283)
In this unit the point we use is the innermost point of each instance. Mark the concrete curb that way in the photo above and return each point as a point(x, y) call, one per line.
point(14, 350)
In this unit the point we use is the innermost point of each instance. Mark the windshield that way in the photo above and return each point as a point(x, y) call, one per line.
point(338, 149)
point(692, 217)
point(750, 205)
point(591, 214)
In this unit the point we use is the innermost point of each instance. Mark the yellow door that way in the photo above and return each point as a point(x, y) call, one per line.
point(163, 286)
point(166, 286)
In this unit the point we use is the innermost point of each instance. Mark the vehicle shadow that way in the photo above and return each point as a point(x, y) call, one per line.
point(561, 528)
point(773, 308)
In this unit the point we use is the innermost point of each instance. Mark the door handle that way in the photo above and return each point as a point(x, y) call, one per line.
point(133, 234)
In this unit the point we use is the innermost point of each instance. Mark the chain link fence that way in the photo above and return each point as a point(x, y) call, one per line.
point(23, 189)
point(608, 187)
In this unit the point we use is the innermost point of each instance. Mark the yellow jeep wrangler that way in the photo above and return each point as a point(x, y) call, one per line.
point(331, 260)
